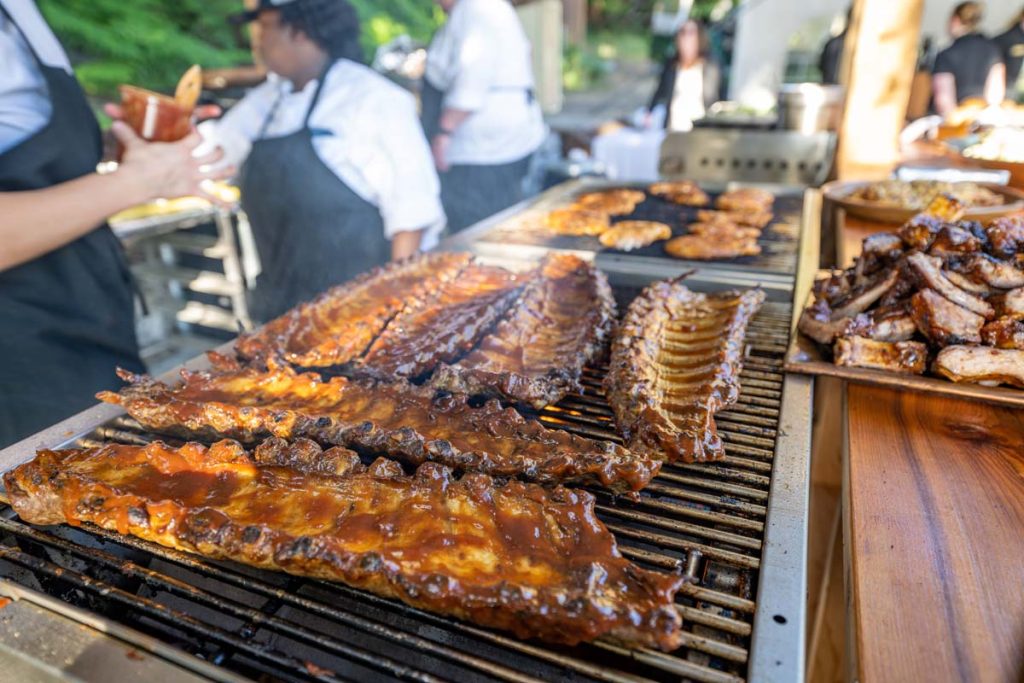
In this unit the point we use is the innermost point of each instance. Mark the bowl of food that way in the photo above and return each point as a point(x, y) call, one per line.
point(1001, 149)
point(896, 201)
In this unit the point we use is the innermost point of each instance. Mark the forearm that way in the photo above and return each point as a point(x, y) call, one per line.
point(405, 244)
point(451, 119)
point(995, 84)
point(35, 222)
point(944, 93)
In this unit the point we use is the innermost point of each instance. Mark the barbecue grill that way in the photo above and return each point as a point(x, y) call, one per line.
point(735, 529)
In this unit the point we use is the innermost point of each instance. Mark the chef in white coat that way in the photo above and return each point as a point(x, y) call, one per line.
point(336, 175)
point(479, 109)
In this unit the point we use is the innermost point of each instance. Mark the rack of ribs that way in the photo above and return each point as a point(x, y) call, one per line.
point(397, 420)
point(341, 323)
point(442, 327)
point(537, 354)
point(512, 556)
point(675, 362)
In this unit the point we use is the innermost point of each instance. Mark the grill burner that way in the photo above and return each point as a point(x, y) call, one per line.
point(706, 521)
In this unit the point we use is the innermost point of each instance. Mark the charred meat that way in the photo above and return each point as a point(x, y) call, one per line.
point(1004, 333)
point(928, 269)
point(902, 356)
point(1006, 235)
point(942, 322)
point(513, 556)
point(981, 365)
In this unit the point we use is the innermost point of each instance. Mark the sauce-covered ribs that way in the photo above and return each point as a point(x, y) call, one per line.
point(536, 355)
point(512, 556)
point(398, 420)
point(675, 362)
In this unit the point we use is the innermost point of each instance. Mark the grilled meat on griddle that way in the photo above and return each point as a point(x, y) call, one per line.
point(675, 362)
point(536, 355)
point(700, 248)
point(513, 556)
point(397, 420)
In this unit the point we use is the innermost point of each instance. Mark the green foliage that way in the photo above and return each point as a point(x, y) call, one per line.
point(385, 20)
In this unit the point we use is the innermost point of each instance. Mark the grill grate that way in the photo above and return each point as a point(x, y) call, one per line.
point(705, 521)
point(778, 240)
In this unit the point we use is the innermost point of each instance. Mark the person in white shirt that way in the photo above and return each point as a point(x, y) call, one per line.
point(479, 110)
point(336, 175)
point(66, 301)
point(689, 79)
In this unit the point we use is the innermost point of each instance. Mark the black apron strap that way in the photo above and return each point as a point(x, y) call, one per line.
point(316, 94)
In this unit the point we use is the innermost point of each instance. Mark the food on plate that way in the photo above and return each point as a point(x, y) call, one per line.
point(536, 355)
point(685, 192)
point(746, 199)
point(753, 219)
point(576, 222)
point(615, 202)
point(630, 235)
point(675, 362)
point(397, 420)
point(700, 248)
point(1002, 143)
point(916, 195)
point(441, 327)
point(513, 556)
point(938, 283)
point(340, 324)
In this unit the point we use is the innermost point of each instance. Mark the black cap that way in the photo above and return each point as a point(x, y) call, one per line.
point(253, 14)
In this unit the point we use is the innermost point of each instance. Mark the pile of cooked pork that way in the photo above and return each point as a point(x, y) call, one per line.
point(940, 294)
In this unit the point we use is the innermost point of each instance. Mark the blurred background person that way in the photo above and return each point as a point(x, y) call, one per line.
point(336, 176)
point(689, 81)
point(831, 59)
point(479, 109)
point(1011, 48)
point(67, 312)
point(970, 67)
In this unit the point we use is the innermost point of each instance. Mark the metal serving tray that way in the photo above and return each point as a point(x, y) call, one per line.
point(805, 356)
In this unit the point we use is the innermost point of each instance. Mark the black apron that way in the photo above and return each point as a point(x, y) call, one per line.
point(472, 192)
point(312, 231)
point(67, 317)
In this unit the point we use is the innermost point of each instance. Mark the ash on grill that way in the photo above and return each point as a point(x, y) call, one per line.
point(706, 521)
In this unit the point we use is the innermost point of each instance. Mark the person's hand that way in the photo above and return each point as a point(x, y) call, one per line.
point(167, 169)
point(647, 120)
point(439, 147)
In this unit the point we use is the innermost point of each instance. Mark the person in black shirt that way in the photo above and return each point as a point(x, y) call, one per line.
point(970, 67)
point(832, 54)
point(1011, 46)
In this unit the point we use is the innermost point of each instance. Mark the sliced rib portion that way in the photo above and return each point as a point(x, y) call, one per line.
point(981, 365)
point(942, 322)
point(340, 324)
point(440, 328)
point(675, 362)
point(398, 420)
point(1004, 333)
point(537, 354)
point(510, 556)
point(903, 356)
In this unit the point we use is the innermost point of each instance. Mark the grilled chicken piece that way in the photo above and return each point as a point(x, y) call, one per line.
point(340, 324)
point(1006, 235)
point(752, 219)
point(746, 199)
point(723, 231)
point(397, 420)
point(698, 248)
point(675, 362)
point(537, 354)
point(630, 235)
point(981, 365)
point(510, 556)
point(928, 270)
point(953, 240)
point(1000, 274)
point(612, 202)
point(942, 321)
point(576, 222)
point(684, 192)
point(817, 323)
point(1004, 333)
point(902, 356)
point(889, 324)
point(860, 301)
point(1010, 304)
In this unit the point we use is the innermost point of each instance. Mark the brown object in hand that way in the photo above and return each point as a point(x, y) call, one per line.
point(153, 116)
point(746, 199)
point(440, 328)
point(684, 192)
point(616, 202)
point(981, 365)
point(511, 556)
point(699, 248)
point(676, 361)
point(339, 325)
point(630, 235)
point(190, 87)
point(901, 356)
point(398, 420)
point(536, 355)
point(576, 222)
point(753, 219)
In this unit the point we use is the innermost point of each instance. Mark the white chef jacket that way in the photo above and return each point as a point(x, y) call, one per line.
point(480, 58)
point(368, 134)
point(24, 100)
